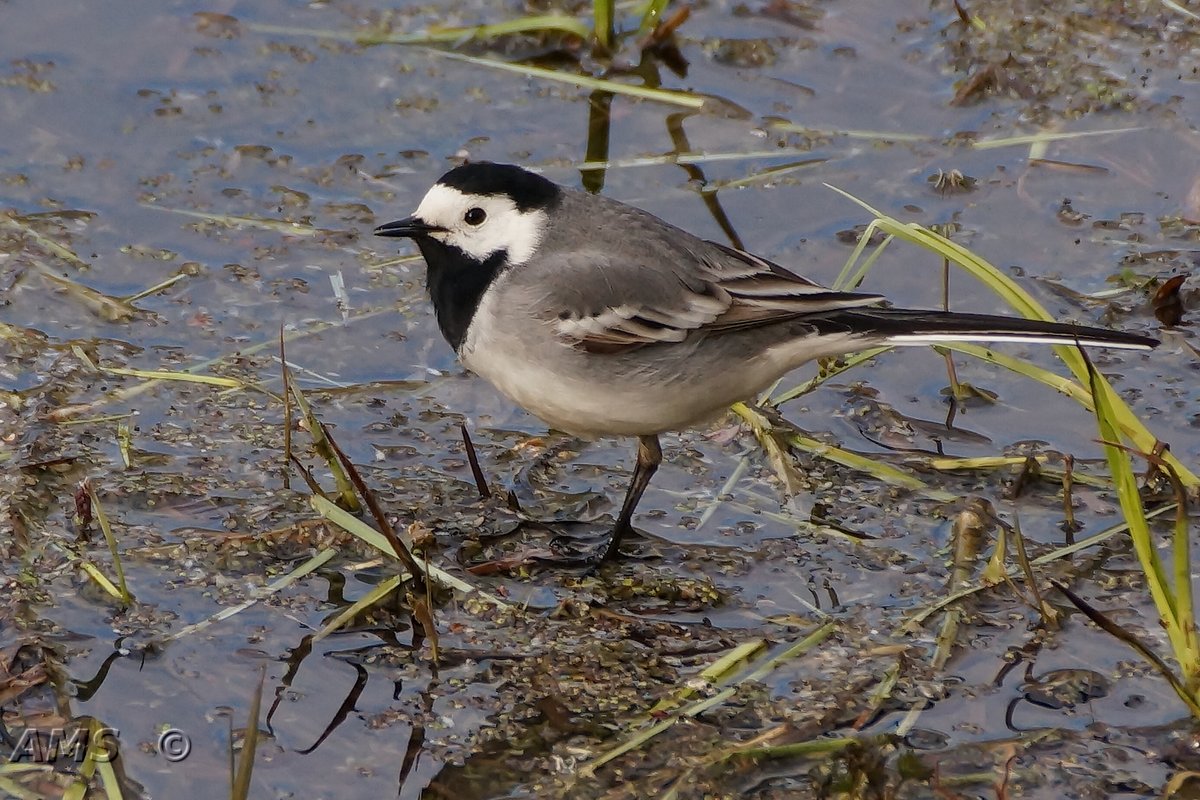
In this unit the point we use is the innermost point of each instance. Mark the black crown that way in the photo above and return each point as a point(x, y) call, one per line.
point(528, 191)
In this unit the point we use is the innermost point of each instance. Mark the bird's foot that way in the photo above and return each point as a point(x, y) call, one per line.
point(563, 545)
point(593, 557)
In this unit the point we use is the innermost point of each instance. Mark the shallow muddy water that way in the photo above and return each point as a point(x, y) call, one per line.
point(142, 142)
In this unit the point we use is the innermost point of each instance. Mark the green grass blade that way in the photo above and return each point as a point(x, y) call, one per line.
point(1165, 600)
point(1182, 554)
point(717, 673)
point(812, 747)
point(21, 226)
point(539, 23)
point(111, 540)
point(155, 289)
point(166, 375)
point(1042, 138)
point(914, 622)
point(240, 790)
point(325, 448)
point(952, 464)
point(104, 762)
point(758, 176)
point(126, 393)
point(683, 99)
point(688, 158)
point(101, 579)
point(356, 527)
point(1178, 8)
point(828, 370)
point(17, 768)
point(317, 561)
point(769, 436)
point(1022, 367)
point(98, 758)
point(842, 281)
point(1127, 637)
point(849, 133)
point(105, 307)
point(366, 601)
point(880, 470)
point(860, 274)
point(651, 16)
point(1012, 293)
point(237, 222)
point(700, 706)
point(602, 23)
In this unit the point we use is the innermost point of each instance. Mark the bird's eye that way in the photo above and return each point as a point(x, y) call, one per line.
point(475, 216)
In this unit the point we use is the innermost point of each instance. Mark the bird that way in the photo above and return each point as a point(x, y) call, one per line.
point(602, 319)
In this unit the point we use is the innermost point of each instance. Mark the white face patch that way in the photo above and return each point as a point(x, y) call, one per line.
point(504, 226)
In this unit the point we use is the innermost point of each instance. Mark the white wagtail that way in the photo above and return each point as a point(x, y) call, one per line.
point(602, 319)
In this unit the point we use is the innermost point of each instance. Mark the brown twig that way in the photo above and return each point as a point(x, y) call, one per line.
point(287, 413)
point(1108, 626)
point(402, 552)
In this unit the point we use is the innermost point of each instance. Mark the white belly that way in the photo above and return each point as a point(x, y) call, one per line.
point(574, 391)
point(658, 388)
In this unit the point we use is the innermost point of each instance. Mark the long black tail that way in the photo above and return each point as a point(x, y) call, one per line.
point(912, 327)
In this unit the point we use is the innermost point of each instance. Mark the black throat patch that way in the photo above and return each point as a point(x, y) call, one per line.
point(456, 284)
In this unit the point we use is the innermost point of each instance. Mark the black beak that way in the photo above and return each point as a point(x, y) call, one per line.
point(409, 228)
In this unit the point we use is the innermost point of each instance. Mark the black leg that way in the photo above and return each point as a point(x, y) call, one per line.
point(649, 456)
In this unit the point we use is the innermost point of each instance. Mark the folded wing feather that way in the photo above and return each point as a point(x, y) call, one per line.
point(608, 306)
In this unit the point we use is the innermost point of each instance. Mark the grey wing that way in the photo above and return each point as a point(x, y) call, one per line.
point(604, 303)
